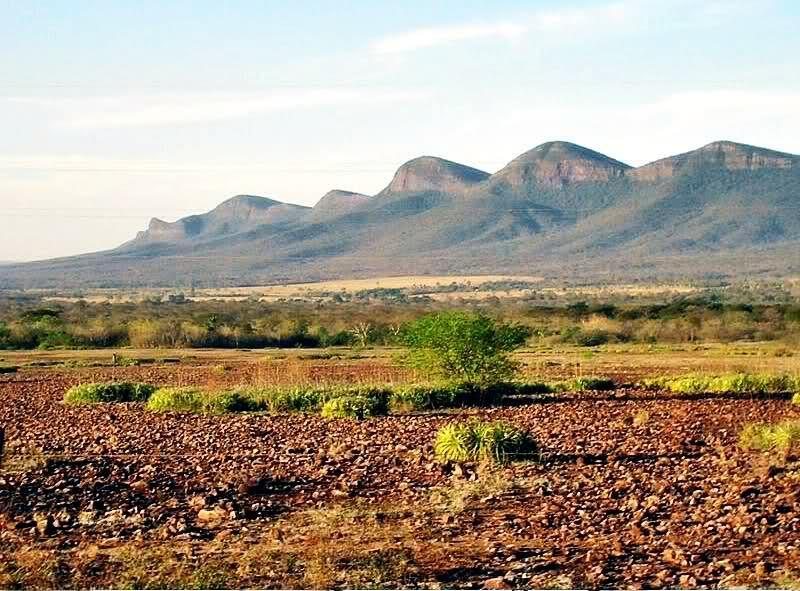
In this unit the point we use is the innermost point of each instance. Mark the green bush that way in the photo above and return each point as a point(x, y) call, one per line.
point(353, 407)
point(464, 347)
point(739, 383)
point(110, 392)
point(496, 442)
point(198, 401)
point(532, 388)
point(780, 437)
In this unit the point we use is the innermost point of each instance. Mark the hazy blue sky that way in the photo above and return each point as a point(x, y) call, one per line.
point(113, 112)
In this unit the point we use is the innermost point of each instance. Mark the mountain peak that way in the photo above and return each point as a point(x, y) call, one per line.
point(248, 201)
point(238, 213)
point(338, 200)
point(560, 163)
point(720, 155)
point(429, 173)
point(738, 150)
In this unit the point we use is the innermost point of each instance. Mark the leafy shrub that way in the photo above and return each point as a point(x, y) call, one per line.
point(474, 441)
point(198, 401)
point(780, 437)
point(464, 347)
point(592, 338)
point(739, 383)
point(532, 388)
point(111, 392)
point(353, 407)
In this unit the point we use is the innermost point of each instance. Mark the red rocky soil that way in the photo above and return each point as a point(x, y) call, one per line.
point(634, 489)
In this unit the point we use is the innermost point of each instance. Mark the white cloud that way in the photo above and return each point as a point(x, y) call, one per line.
point(176, 109)
point(567, 22)
point(555, 21)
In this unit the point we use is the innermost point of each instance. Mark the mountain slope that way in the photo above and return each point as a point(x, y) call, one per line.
point(428, 173)
point(235, 215)
point(559, 208)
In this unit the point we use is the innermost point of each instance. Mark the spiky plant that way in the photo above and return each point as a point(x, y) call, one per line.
point(353, 407)
point(780, 437)
point(496, 442)
point(457, 442)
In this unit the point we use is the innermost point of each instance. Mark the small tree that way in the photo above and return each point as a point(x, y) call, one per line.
point(465, 347)
point(362, 332)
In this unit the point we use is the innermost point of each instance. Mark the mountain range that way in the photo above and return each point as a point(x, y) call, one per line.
point(559, 210)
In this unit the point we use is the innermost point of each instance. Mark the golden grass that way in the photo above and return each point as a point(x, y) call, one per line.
point(271, 292)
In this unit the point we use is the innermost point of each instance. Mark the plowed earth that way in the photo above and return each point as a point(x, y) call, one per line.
point(634, 489)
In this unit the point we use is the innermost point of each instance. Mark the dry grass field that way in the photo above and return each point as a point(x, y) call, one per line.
point(294, 290)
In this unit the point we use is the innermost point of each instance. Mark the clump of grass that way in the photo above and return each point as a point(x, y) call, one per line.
point(780, 437)
point(29, 568)
point(446, 395)
point(109, 392)
point(417, 397)
point(495, 442)
point(460, 495)
point(354, 407)
point(312, 399)
point(299, 399)
point(796, 398)
point(341, 547)
point(122, 361)
point(199, 401)
point(787, 580)
point(166, 568)
point(738, 383)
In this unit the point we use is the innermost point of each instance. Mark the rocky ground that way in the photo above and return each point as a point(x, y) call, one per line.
point(634, 489)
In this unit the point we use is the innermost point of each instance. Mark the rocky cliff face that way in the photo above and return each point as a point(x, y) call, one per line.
point(717, 155)
point(236, 214)
point(159, 230)
point(429, 173)
point(557, 164)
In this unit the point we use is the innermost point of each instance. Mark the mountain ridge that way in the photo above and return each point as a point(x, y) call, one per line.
point(560, 207)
